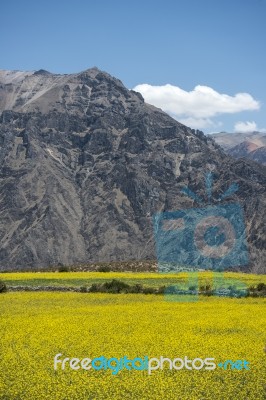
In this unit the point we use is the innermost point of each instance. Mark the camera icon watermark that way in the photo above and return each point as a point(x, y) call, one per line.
point(210, 237)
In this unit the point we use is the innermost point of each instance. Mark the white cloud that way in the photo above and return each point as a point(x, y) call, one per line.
point(245, 127)
point(199, 123)
point(197, 107)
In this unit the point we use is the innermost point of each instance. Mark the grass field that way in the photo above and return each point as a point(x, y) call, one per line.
point(37, 326)
point(77, 279)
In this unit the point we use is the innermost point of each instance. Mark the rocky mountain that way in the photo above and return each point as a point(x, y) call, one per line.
point(229, 140)
point(249, 150)
point(86, 163)
point(258, 155)
point(242, 149)
point(248, 145)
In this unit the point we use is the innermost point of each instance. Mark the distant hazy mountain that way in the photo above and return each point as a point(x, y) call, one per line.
point(85, 164)
point(248, 145)
point(258, 155)
point(229, 140)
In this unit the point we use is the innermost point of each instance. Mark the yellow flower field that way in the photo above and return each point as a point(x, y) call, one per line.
point(147, 278)
point(37, 326)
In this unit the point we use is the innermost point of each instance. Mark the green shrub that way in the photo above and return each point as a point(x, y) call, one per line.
point(63, 268)
point(149, 290)
point(3, 287)
point(259, 291)
point(206, 290)
point(94, 288)
point(137, 288)
point(115, 286)
point(161, 290)
point(104, 268)
point(261, 287)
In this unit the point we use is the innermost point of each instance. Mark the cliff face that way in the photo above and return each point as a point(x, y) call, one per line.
point(85, 164)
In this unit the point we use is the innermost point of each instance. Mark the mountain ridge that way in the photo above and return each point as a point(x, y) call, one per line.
point(85, 164)
point(250, 145)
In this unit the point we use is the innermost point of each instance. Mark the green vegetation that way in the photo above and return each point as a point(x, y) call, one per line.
point(118, 286)
point(78, 279)
point(104, 268)
point(257, 291)
point(3, 287)
point(63, 268)
point(205, 283)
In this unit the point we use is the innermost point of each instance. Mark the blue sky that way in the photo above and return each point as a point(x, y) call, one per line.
point(215, 46)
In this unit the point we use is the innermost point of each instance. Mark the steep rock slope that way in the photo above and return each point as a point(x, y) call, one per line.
point(85, 164)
